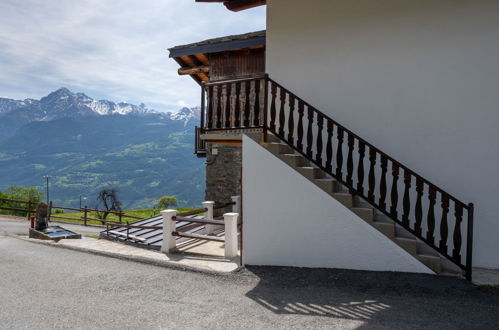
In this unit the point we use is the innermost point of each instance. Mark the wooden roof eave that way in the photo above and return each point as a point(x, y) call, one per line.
point(238, 5)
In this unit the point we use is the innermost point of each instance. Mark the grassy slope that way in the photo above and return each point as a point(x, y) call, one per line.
point(141, 213)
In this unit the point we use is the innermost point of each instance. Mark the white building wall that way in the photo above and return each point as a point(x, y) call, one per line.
point(418, 79)
point(291, 222)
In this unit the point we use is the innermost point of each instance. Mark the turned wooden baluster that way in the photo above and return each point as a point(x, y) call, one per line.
point(360, 168)
point(209, 110)
point(237, 114)
point(350, 144)
point(320, 122)
point(301, 110)
point(394, 192)
point(339, 153)
point(273, 92)
point(256, 118)
point(310, 137)
point(219, 106)
point(456, 252)
point(282, 115)
point(329, 146)
point(444, 227)
point(431, 215)
point(228, 105)
point(382, 182)
point(291, 120)
point(247, 103)
point(372, 176)
point(418, 211)
point(407, 198)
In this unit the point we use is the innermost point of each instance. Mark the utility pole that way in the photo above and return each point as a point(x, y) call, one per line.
point(81, 198)
point(47, 187)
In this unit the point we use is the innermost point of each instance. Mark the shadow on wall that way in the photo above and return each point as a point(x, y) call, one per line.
point(369, 297)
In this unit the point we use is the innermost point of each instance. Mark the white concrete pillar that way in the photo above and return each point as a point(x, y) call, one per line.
point(169, 241)
point(236, 208)
point(209, 229)
point(231, 240)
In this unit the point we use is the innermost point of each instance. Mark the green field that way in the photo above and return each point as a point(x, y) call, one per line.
point(141, 213)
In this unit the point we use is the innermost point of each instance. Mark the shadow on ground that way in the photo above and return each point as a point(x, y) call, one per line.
point(376, 298)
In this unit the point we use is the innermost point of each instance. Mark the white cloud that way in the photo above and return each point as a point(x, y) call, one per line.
point(108, 49)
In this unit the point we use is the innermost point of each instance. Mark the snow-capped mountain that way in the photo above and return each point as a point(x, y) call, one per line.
point(186, 114)
point(64, 103)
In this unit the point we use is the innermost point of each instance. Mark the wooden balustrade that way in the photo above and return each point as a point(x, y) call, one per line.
point(365, 170)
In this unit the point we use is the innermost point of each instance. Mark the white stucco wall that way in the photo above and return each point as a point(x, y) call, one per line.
point(288, 221)
point(418, 79)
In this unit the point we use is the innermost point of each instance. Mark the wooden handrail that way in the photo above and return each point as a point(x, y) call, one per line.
point(369, 145)
point(196, 236)
point(222, 206)
point(201, 221)
point(17, 201)
point(193, 212)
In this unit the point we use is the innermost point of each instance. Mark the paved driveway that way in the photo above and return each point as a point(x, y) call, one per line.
point(19, 225)
point(43, 287)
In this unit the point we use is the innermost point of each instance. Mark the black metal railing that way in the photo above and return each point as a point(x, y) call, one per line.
point(430, 213)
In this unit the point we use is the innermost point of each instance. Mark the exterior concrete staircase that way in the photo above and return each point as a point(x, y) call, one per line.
point(400, 236)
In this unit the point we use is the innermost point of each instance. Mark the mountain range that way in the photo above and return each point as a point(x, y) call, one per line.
point(85, 145)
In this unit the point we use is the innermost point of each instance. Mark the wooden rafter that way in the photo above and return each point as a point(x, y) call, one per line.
point(194, 70)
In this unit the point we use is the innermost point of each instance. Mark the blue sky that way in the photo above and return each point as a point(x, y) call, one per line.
point(109, 49)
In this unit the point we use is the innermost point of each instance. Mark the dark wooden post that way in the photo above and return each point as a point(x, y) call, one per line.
point(29, 210)
point(469, 242)
point(203, 90)
point(127, 231)
point(120, 215)
point(85, 211)
point(265, 107)
point(50, 211)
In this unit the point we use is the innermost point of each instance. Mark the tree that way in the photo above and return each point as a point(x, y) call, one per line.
point(108, 200)
point(28, 194)
point(167, 201)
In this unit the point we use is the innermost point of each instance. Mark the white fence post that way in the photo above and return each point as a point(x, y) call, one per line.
point(230, 220)
point(169, 241)
point(209, 229)
point(236, 208)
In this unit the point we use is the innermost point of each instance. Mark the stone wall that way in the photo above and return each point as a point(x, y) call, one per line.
point(223, 174)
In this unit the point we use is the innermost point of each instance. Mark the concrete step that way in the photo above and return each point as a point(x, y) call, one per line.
point(423, 248)
point(279, 148)
point(272, 138)
point(408, 244)
point(325, 184)
point(364, 213)
point(311, 172)
point(402, 232)
point(431, 262)
point(450, 268)
point(294, 160)
point(345, 199)
point(385, 228)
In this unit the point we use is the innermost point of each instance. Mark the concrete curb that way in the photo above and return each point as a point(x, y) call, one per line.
point(143, 260)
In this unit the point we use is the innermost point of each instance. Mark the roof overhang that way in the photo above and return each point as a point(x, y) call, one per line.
point(238, 5)
point(194, 60)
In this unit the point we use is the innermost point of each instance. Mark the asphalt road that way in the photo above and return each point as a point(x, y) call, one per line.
point(16, 225)
point(44, 287)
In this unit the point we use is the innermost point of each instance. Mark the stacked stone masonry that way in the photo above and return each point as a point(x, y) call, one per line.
point(223, 174)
